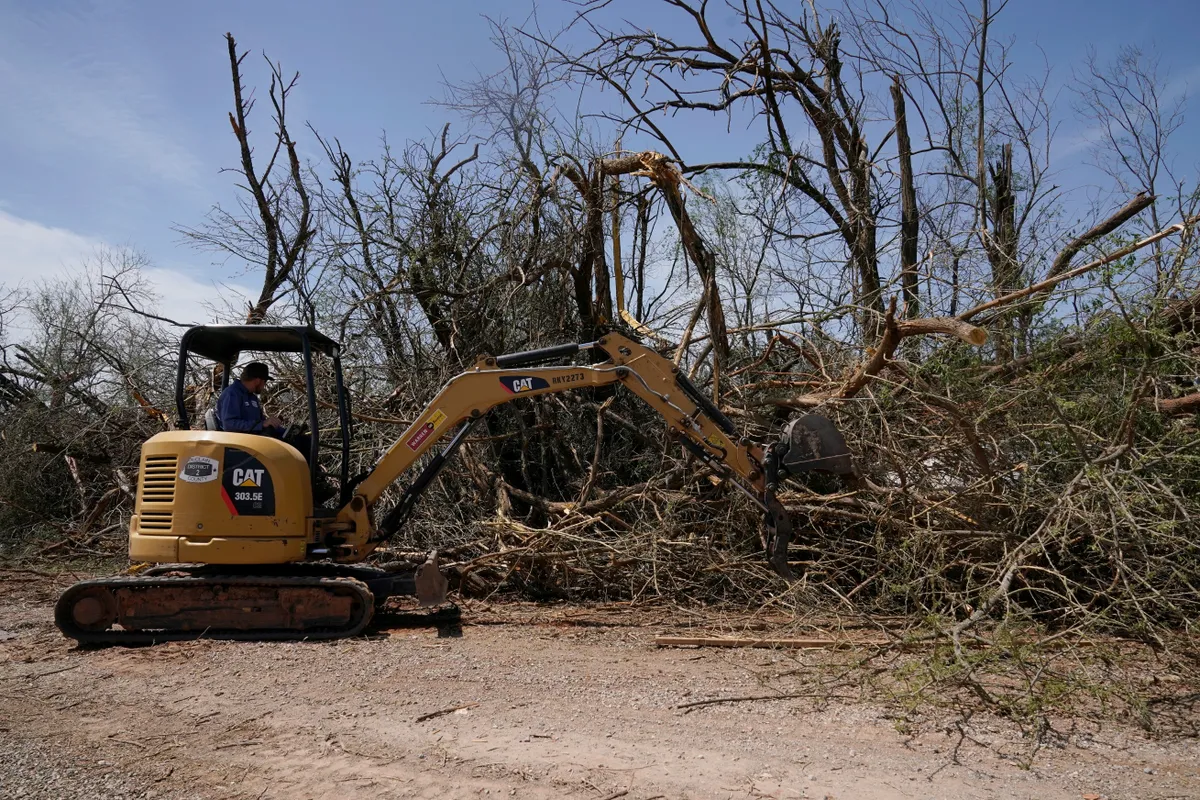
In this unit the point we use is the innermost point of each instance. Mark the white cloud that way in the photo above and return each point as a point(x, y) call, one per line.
point(31, 253)
point(187, 299)
point(64, 94)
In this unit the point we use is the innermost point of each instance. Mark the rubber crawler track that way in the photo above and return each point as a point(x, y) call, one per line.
point(63, 617)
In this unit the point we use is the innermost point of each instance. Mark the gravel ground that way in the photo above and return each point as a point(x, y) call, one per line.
point(552, 702)
point(36, 769)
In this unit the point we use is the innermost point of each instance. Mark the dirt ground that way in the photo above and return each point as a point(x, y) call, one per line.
point(554, 702)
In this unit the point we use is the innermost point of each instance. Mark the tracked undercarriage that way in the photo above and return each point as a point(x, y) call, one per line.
point(295, 601)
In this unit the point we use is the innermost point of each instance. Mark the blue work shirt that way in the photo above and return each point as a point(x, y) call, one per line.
point(240, 411)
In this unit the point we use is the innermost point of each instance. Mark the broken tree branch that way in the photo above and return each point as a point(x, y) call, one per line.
point(1049, 283)
point(1131, 209)
point(894, 331)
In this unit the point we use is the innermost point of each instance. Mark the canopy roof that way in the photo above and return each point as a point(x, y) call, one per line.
point(223, 343)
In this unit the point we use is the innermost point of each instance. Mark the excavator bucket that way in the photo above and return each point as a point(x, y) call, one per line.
point(811, 443)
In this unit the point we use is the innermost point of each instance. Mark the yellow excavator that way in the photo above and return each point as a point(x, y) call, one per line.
point(242, 551)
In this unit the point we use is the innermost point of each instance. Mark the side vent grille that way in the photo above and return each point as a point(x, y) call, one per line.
point(158, 492)
point(155, 521)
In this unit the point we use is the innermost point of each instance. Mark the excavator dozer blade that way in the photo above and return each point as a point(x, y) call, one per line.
point(430, 584)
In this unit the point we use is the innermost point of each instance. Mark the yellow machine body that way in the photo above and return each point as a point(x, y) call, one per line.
point(221, 507)
point(213, 497)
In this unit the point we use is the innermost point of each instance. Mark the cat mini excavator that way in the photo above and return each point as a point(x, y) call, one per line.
point(243, 552)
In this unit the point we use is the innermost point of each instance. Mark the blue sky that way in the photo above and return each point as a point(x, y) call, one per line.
point(114, 126)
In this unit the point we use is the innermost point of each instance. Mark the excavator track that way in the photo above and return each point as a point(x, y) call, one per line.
point(163, 608)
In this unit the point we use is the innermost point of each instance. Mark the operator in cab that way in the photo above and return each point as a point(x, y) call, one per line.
point(239, 409)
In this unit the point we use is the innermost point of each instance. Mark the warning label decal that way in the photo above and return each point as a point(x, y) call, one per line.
point(425, 431)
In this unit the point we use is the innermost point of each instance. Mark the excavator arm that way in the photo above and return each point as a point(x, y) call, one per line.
point(697, 423)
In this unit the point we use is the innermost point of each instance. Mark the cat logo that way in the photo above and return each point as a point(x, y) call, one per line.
point(246, 485)
point(522, 384)
point(248, 477)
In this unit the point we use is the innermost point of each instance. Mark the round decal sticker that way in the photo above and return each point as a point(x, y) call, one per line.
point(200, 469)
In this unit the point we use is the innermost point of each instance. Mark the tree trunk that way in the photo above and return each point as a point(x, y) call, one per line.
point(1002, 248)
point(909, 220)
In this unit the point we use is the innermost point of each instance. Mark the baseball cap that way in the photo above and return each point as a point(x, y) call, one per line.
point(255, 369)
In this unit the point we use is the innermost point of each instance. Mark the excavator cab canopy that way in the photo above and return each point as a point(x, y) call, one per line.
point(224, 343)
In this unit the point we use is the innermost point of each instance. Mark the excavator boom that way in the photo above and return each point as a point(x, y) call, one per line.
point(698, 425)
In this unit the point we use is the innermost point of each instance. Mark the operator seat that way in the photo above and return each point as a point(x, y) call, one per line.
point(211, 423)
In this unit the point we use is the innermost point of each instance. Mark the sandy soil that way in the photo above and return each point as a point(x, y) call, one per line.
point(556, 702)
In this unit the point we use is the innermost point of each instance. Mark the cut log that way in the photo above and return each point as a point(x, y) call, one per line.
point(793, 644)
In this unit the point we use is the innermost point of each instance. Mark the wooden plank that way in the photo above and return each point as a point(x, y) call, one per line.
point(837, 644)
point(796, 644)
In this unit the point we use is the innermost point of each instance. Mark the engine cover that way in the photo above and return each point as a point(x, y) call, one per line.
point(213, 497)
